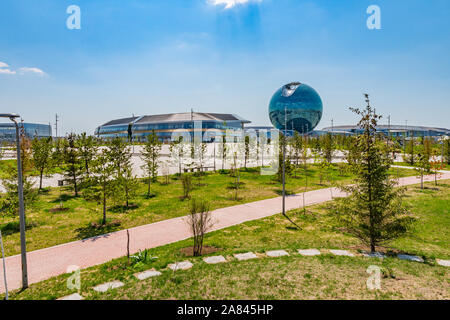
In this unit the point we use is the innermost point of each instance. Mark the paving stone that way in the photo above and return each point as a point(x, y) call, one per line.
point(277, 253)
point(342, 253)
point(409, 258)
point(215, 259)
point(147, 274)
point(374, 255)
point(184, 265)
point(108, 286)
point(309, 252)
point(74, 296)
point(445, 263)
point(245, 256)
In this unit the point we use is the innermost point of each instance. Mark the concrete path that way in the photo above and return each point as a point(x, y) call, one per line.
point(53, 261)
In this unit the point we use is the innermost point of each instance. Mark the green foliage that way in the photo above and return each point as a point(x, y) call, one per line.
point(88, 150)
point(423, 164)
point(327, 147)
point(73, 165)
point(150, 155)
point(374, 210)
point(9, 203)
point(186, 180)
point(104, 180)
point(141, 258)
point(42, 156)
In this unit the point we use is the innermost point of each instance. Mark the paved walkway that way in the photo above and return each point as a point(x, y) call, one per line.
point(53, 261)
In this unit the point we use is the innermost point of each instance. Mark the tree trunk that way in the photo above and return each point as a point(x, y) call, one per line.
point(104, 206)
point(75, 184)
point(149, 183)
point(421, 181)
point(40, 179)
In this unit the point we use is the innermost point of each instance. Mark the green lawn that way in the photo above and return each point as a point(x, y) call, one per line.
point(292, 277)
point(47, 228)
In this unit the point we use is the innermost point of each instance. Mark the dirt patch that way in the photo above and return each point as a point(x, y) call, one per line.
point(189, 251)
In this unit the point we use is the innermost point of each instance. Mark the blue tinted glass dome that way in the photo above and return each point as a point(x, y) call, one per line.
point(301, 104)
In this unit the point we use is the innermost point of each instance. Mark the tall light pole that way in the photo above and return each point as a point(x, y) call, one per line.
point(23, 248)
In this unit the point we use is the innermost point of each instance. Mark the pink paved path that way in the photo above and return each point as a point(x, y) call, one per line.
point(53, 261)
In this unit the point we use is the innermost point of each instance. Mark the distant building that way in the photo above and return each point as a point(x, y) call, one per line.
point(392, 130)
point(165, 125)
point(31, 130)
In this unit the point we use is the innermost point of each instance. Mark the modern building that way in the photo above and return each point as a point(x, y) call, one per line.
point(295, 106)
point(393, 130)
point(165, 125)
point(31, 130)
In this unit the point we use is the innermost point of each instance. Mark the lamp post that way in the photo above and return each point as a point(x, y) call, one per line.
point(23, 248)
point(284, 163)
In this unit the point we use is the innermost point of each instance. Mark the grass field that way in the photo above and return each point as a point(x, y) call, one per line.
point(291, 277)
point(47, 228)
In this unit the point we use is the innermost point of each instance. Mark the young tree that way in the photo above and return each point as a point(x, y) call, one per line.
point(411, 152)
point(129, 184)
point(447, 150)
point(246, 150)
point(186, 180)
point(177, 149)
point(223, 150)
point(200, 222)
point(42, 156)
point(150, 155)
point(58, 152)
point(72, 161)
point(88, 150)
point(120, 155)
point(328, 148)
point(104, 179)
point(10, 202)
point(373, 211)
point(422, 164)
point(296, 146)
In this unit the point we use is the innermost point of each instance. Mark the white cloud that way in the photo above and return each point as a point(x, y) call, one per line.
point(6, 71)
point(31, 70)
point(230, 3)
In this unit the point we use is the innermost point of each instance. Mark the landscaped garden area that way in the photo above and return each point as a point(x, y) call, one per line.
point(80, 219)
point(295, 276)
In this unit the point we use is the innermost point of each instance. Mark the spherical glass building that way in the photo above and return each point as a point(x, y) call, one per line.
point(295, 106)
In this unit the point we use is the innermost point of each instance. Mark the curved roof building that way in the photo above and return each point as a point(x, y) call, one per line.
point(164, 125)
point(31, 130)
point(393, 130)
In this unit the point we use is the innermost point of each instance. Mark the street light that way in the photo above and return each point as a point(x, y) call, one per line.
point(23, 247)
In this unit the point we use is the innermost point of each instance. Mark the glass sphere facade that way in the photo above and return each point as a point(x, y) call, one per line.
point(295, 106)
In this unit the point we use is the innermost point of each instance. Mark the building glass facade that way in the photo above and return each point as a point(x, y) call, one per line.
point(166, 126)
point(31, 130)
point(297, 107)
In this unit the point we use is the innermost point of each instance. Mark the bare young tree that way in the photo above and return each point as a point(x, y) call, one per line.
point(200, 222)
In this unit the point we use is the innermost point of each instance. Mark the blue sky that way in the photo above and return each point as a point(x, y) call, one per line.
point(163, 56)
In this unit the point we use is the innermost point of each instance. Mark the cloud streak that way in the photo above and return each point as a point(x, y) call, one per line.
point(25, 70)
point(230, 3)
point(5, 69)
